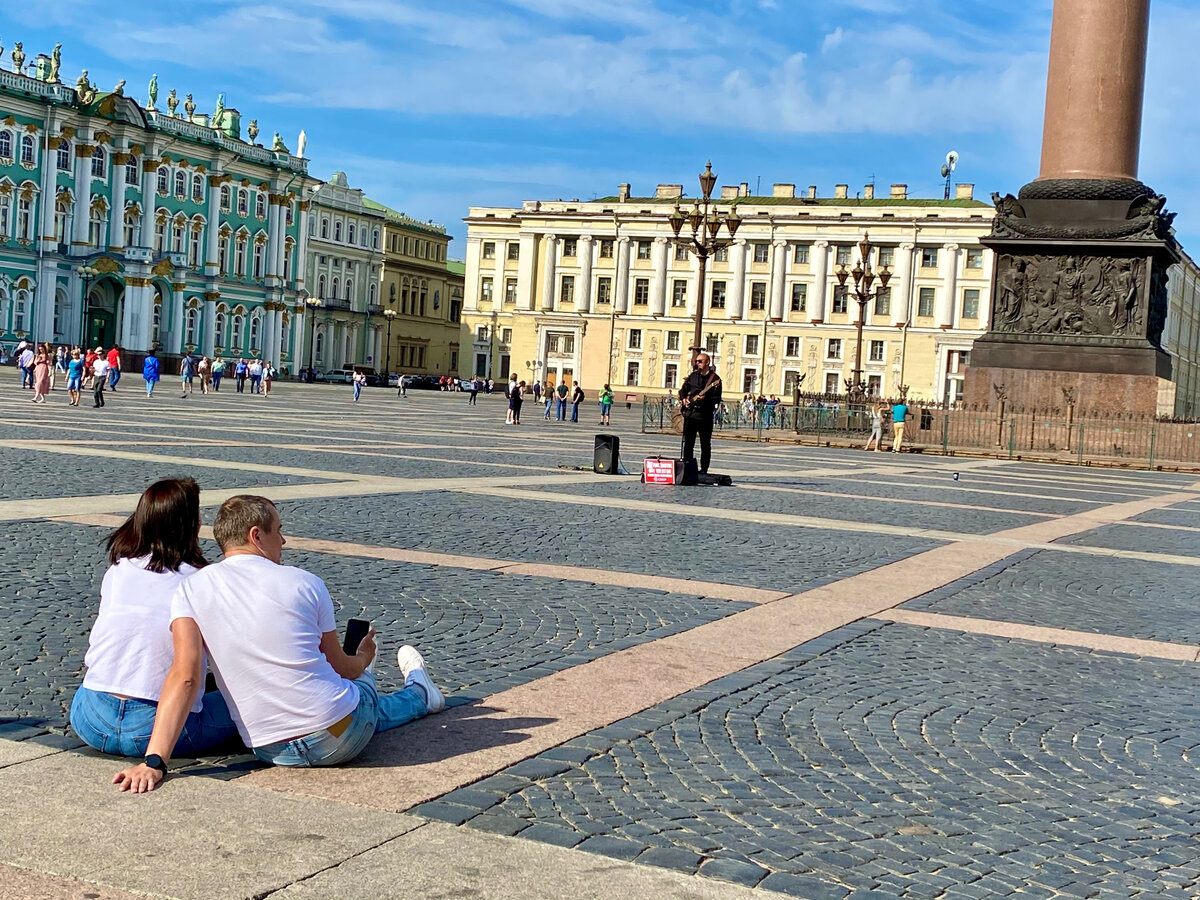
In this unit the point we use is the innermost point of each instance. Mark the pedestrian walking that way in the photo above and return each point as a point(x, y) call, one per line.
point(359, 380)
point(255, 371)
point(473, 387)
point(239, 372)
point(509, 390)
point(899, 416)
point(577, 397)
point(402, 386)
point(150, 373)
point(41, 374)
point(218, 372)
point(74, 377)
point(549, 393)
point(203, 367)
point(60, 364)
point(269, 376)
point(89, 373)
point(537, 391)
point(606, 402)
point(518, 397)
point(187, 373)
point(99, 376)
point(876, 437)
point(114, 367)
point(25, 364)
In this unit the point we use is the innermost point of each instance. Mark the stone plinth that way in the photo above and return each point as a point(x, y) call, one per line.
point(1095, 392)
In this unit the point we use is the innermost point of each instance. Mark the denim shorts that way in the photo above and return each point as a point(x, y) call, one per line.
point(109, 724)
point(74, 384)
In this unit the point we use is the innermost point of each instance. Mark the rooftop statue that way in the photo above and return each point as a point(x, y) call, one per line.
point(55, 63)
point(18, 58)
point(277, 144)
point(172, 102)
point(153, 92)
point(301, 143)
point(218, 111)
point(119, 90)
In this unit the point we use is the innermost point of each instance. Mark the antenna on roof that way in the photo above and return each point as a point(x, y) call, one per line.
point(948, 170)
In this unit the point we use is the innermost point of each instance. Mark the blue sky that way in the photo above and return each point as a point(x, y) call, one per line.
point(435, 106)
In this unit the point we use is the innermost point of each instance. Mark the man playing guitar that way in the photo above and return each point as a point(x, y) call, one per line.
point(698, 398)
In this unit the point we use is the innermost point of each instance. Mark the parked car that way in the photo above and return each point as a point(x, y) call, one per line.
point(393, 380)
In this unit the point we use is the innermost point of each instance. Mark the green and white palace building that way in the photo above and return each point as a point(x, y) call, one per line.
point(147, 228)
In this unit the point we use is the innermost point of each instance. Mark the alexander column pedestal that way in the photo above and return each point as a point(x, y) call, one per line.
point(1079, 292)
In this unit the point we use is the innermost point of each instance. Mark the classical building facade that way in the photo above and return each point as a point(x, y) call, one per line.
point(424, 288)
point(188, 236)
point(601, 291)
point(345, 259)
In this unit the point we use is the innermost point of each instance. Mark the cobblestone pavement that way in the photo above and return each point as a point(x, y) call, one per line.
point(651, 721)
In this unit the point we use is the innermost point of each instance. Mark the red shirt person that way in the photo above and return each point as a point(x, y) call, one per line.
point(114, 367)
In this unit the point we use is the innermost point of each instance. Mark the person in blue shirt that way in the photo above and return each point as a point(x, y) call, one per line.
point(899, 415)
point(75, 369)
point(150, 370)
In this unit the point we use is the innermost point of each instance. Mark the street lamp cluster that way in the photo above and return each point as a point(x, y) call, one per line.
point(88, 274)
point(864, 277)
point(313, 304)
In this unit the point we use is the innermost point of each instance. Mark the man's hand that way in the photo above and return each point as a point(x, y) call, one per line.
point(138, 779)
point(366, 649)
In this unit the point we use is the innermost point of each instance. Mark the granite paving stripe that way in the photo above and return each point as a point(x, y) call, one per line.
point(926, 502)
point(1131, 538)
point(1086, 639)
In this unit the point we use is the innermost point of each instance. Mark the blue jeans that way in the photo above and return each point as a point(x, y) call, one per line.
point(357, 389)
point(376, 712)
point(150, 383)
point(27, 376)
point(562, 409)
point(549, 403)
point(605, 409)
point(122, 727)
point(114, 375)
point(217, 376)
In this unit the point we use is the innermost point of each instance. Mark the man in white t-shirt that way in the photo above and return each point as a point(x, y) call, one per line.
point(99, 370)
point(268, 629)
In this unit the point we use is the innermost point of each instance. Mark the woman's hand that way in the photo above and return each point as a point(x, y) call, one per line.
point(139, 779)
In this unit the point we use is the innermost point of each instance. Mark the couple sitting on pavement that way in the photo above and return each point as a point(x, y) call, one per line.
point(267, 630)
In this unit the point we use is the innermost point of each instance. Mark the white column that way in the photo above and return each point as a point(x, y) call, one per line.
point(472, 276)
point(298, 351)
point(175, 319)
point(274, 241)
point(658, 286)
point(901, 284)
point(116, 210)
point(208, 326)
point(551, 272)
point(212, 262)
point(48, 195)
point(83, 195)
point(778, 273)
point(621, 283)
point(133, 298)
point(735, 295)
point(145, 229)
point(583, 290)
point(819, 290)
point(944, 307)
point(498, 275)
point(526, 271)
point(300, 253)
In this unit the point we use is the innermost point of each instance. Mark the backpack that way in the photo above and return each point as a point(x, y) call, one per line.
point(582, 396)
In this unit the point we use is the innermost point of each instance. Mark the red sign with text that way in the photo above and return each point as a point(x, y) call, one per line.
point(659, 471)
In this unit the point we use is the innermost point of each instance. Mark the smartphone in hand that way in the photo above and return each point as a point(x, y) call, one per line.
point(356, 630)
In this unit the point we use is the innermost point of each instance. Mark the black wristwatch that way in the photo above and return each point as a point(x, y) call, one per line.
point(154, 761)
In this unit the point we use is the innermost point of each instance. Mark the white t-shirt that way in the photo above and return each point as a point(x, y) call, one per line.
point(100, 367)
point(130, 649)
point(262, 625)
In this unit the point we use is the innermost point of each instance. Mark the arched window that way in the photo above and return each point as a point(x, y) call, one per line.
point(131, 171)
point(291, 213)
point(325, 228)
point(160, 234)
point(288, 249)
point(223, 252)
point(164, 180)
point(285, 332)
point(219, 329)
point(224, 198)
point(364, 237)
point(375, 238)
point(321, 287)
point(194, 244)
point(64, 155)
point(255, 329)
point(19, 310)
point(25, 218)
point(60, 221)
point(312, 227)
point(131, 224)
point(320, 345)
point(350, 232)
point(243, 202)
point(189, 328)
point(198, 188)
point(239, 260)
point(27, 149)
point(98, 162)
point(334, 293)
point(6, 144)
point(259, 258)
point(96, 225)
point(156, 316)
point(371, 293)
point(337, 231)
point(236, 332)
point(349, 289)
point(180, 185)
point(260, 205)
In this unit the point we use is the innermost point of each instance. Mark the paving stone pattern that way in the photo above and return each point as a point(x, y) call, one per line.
point(769, 556)
point(1145, 540)
point(1128, 597)
point(892, 759)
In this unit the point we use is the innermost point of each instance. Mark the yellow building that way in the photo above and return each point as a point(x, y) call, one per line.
point(600, 291)
point(424, 289)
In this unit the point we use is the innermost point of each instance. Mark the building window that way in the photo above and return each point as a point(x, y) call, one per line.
point(883, 302)
point(27, 149)
point(566, 292)
point(722, 255)
point(749, 376)
point(350, 234)
point(224, 198)
point(831, 382)
point(25, 219)
point(606, 248)
point(799, 297)
point(758, 295)
point(673, 340)
point(887, 256)
point(569, 247)
point(481, 333)
point(259, 257)
point(875, 354)
point(843, 254)
point(255, 321)
point(98, 160)
point(19, 312)
point(189, 329)
point(974, 257)
point(681, 252)
point(604, 289)
point(514, 250)
point(6, 148)
point(762, 253)
point(752, 345)
point(337, 231)
point(792, 347)
point(489, 250)
point(833, 348)
point(633, 373)
point(219, 330)
point(239, 261)
point(485, 290)
point(131, 171)
point(260, 205)
point(236, 332)
point(679, 292)
point(925, 302)
point(180, 185)
point(874, 385)
point(243, 207)
point(791, 381)
point(223, 257)
point(178, 226)
point(510, 290)
point(131, 223)
point(193, 247)
point(64, 156)
point(506, 336)
point(711, 341)
point(643, 249)
point(839, 298)
point(671, 376)
point(929, 257)
point(800, 254)
point(718, 295)
point(970, 307)
point(641, 291)
point(635, 339)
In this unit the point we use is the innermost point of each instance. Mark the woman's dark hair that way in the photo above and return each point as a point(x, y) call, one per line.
point(165, 526)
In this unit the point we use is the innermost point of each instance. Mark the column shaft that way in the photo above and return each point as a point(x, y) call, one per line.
point(820, 288)
point(778, 274)
point(735, 294)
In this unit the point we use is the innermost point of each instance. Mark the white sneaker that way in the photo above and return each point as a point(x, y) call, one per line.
point(412, 665)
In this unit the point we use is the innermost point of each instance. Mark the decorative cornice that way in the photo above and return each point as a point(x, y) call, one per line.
point(212, 296)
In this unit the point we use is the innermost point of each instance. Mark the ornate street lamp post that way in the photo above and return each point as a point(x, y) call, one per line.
point(313, 304)
point(706, 226)
point(88, 274)
point(388, 314)
point(864, 276)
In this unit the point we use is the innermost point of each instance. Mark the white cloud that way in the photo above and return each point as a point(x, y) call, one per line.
point(832, 39)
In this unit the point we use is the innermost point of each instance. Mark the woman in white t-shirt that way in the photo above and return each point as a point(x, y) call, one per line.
point(130, 648)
